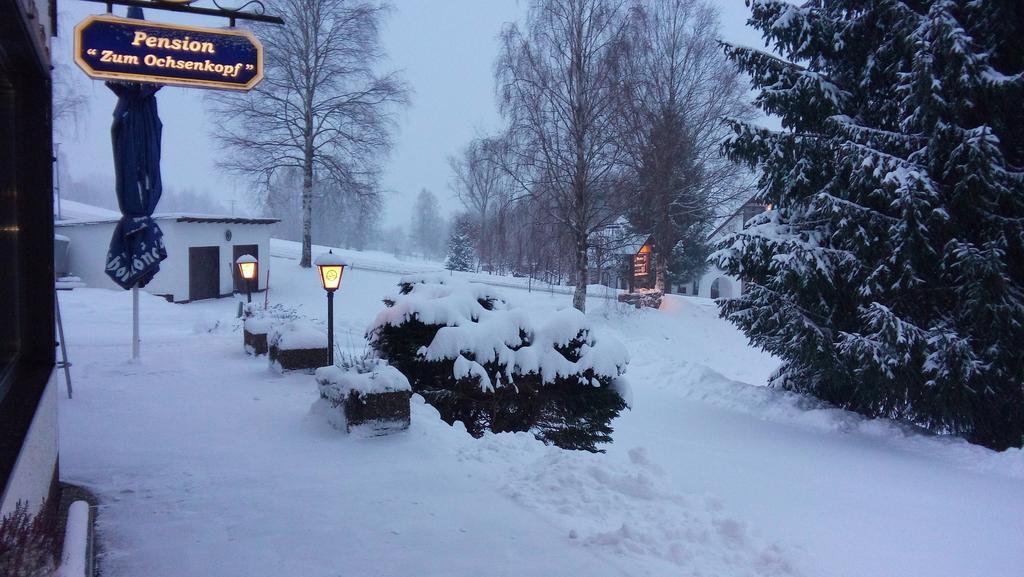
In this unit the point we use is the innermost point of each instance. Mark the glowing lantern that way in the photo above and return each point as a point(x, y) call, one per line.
point(247, 268)
point(331, 268)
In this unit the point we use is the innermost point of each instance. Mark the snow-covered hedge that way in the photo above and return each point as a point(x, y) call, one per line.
point(494, 367)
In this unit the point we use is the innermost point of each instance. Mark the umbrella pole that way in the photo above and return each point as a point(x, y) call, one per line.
point(135, 323)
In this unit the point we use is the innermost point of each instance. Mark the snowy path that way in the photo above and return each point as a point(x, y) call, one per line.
point(209, 464)
point(859, 497)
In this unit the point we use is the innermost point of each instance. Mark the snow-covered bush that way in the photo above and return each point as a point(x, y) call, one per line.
point(26, 544)
point(491, 366)
point(367, 393)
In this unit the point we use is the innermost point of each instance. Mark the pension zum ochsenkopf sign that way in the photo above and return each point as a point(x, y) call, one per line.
point(112, 48)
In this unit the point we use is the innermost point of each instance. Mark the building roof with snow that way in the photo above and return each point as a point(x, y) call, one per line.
point(735, 221)
point(202, 250)
point(78, 213)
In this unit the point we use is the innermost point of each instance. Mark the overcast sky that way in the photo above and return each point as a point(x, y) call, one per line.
point(445, 48)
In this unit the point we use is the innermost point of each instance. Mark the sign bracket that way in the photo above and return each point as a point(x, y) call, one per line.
point(231, 14)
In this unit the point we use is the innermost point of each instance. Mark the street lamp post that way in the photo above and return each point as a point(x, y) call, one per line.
point(247, 268)
point(331, 267)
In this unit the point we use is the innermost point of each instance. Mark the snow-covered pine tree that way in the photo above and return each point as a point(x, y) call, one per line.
point(460, 245)
point(890, 275)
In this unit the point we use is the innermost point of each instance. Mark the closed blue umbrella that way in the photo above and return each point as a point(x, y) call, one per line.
point(137, 246)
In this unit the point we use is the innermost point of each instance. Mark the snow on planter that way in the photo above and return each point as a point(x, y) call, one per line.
point(493, 367)
point(260, 322)
point(254, 334)
point(374, 399)
point(297, 346)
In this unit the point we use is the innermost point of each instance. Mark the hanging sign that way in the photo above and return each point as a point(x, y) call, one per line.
point(112, 48)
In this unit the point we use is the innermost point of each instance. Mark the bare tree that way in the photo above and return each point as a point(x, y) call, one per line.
point(487, 192)
point(557, 85)
point(322, 107)
point(678, 89)
point(428, 229)
point(346, 218)
point(69, 101)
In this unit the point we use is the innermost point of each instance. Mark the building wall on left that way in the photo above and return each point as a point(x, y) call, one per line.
point(28, 413)
point(34, 470)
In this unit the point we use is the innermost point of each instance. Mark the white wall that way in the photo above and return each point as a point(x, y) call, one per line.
point(178, 236)
point(734, 285)
point(88, 255)
point(89, 243)
point(33, 471)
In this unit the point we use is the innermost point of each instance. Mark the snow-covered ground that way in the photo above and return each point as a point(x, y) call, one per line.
point(209, 463)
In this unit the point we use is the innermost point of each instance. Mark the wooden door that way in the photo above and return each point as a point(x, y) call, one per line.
point(203, 272)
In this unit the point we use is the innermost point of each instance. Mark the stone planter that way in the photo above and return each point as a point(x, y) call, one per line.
point(370, 403)
point(378, 413)
point(255, 343)
point(297, 346)
point(644, 299)
point(298, 359)
point(254, 334)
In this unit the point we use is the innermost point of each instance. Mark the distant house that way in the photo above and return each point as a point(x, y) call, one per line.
point(715, 283)
point(613, 255)
point(641, 266)
point(201, 250)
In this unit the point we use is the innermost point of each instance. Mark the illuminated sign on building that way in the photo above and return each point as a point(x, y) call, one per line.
point(642, 261)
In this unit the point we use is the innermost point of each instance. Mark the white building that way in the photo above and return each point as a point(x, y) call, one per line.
point(715, 283)
point(201, 250)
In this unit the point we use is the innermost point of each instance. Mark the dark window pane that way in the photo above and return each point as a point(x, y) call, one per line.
point(9, 304)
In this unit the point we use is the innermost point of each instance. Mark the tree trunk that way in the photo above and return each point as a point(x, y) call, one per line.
point(307, 189)
point(307, 217)
point(660, 268)
point(579, 297)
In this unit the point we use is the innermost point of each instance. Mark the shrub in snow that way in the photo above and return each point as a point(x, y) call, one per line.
point(26, 544)
point(367, 393)
point(492, 367)
point(297, 346)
